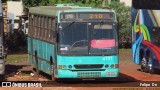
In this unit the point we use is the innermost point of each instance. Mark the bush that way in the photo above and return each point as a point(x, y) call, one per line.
point(15, 41)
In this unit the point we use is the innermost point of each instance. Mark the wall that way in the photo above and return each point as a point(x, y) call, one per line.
point(14, 9)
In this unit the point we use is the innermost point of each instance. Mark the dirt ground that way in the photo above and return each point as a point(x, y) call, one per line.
point(129, 73)
point(127, 67)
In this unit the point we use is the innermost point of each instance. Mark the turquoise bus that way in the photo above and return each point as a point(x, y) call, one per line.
point(145, 18)
point(73, 42)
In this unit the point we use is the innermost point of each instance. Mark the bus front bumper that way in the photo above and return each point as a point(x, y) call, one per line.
point(87, 74)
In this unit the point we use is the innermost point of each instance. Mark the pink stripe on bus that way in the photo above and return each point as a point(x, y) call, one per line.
point(103, 43)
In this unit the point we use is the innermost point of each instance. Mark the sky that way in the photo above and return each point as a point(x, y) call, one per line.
point(127, 2)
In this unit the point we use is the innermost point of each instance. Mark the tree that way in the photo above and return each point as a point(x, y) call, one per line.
point(32, 3)
point(15, 41)
point(123, 17)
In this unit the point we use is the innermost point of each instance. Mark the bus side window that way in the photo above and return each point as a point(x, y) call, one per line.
point(53, 30)
point(34, 30)
point(36, 26)
point(49, 29)
point(44, 28)
point(39, 32)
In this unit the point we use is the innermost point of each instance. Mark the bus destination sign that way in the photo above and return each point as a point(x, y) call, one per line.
point(96, 16)
point(91, 15)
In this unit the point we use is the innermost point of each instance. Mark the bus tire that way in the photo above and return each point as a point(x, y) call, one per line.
point(52, 69)
point(144, 65)
point(37, 68)
point(34, 69)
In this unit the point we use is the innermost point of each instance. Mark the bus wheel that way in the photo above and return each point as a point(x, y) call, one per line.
point(37, 68)
point(144, 65)
point(52, 69)
point(151, 70)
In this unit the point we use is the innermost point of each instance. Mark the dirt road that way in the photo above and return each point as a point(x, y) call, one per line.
point(129, 74)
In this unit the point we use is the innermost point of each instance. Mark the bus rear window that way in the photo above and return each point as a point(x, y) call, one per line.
point(146, 4)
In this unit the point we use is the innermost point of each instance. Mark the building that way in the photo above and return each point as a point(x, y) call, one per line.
point(127, 2)
point(14, 9)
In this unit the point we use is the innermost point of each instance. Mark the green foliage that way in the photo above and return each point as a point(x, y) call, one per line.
point(123, 17)
point(32, 3)
point(15, 41)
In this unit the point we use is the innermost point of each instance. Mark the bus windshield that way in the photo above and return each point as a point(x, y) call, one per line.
point(87, 38)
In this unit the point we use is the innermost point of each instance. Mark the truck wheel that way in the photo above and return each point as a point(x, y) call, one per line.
point(144, 65)
point(150, 68)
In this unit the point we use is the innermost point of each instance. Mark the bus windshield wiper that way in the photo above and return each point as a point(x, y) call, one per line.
point(69, 25)
point(78, 42)
point(100, 24)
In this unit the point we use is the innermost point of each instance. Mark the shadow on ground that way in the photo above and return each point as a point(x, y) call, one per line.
point(156, 72)
point(122, 81)
point(12, 69)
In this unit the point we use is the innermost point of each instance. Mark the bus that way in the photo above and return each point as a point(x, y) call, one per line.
point(145, 22)
point(73, 42)
point(2, 62)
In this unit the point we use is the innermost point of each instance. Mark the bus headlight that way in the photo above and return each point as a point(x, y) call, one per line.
point(106, 66)
point(70, 66)
point(112, 66)
point(64, 66)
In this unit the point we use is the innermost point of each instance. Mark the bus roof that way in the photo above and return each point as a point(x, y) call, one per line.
point(69, 5)
point(55, 10)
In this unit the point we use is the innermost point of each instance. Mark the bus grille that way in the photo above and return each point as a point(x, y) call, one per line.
point(88, 66)
point(88, 74)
